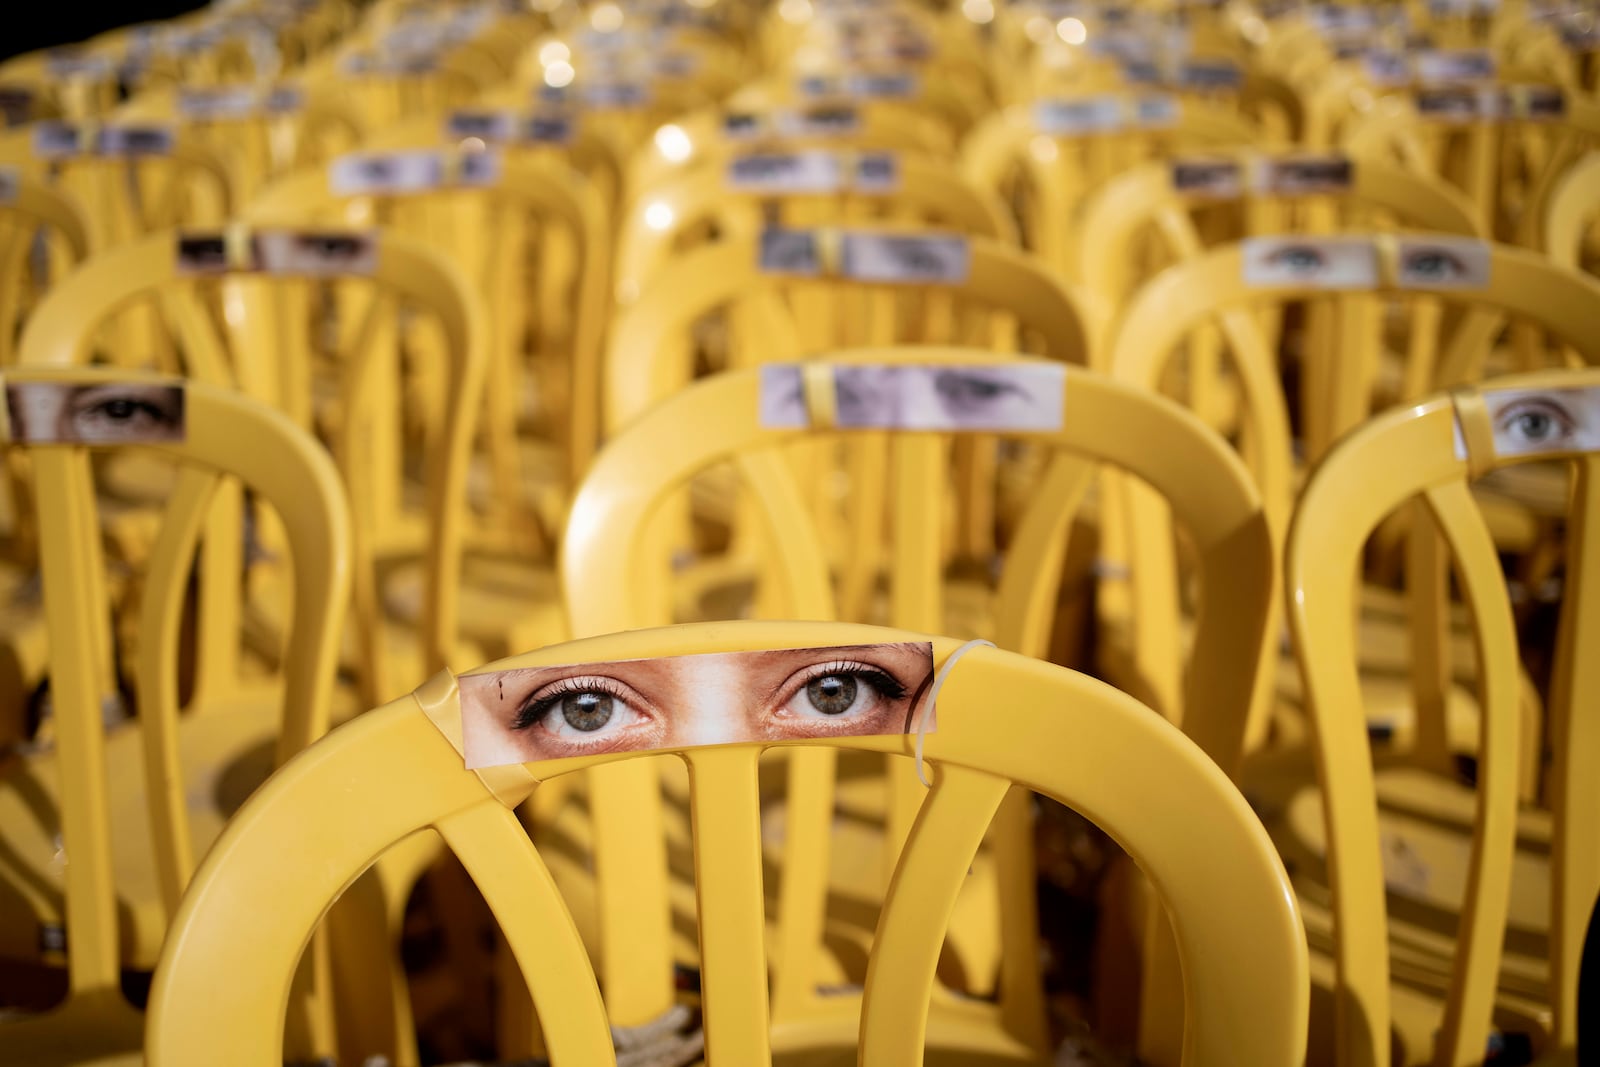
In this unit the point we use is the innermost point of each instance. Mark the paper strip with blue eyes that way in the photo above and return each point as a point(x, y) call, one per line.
point(973, 398)
point(1076, 118)
point(586, 709)
point(902, 259)
point(1446, 67)
point(614, 95)
point(1441, 263)
point(99, 413)
point(387, 173)
point(1318, 262)
point(813, 171)
point(1541, 422)
point(57, 140)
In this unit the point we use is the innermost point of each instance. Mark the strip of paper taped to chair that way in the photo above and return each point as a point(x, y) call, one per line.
point(582, 709)
point(299, 253)
point(97, 412)
point(1533, 102)
point(1458, 105)
point(1208, 177)
point(1437, 68)
point(369, 173)
point(1303, 174)
point(219, 102)
point(973, 398)
point(488, 124)
point(1313, 262)
point(1076, 118)
point(1441, 263)
point(1544, 421)
point(1210, 74)
point(615, 95)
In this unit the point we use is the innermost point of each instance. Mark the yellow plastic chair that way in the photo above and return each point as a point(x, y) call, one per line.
point(919, 190)
point(1106, 260)
point(272, 362)
point(707, 138)
point(171, 183)
point(607, 553)
point(134, 835)
point(1214, 867)
point(1016, 154)
point(1213, 289)
point(1571, 212)
point(1530, 874)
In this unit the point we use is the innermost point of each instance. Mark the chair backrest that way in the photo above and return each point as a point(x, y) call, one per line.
point(390, 270)
point(30, 210)
point(903, 186)
point(58, 418)
point(133, 178)
point(646, 355)
point(488, 225)
point(1571, 212)
point(1431, 451)
point(400, 769)
point(1160, 195)
point(607, 576)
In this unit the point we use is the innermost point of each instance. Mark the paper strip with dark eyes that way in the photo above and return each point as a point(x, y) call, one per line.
point(813, 171)
point(302, 253)
point(1208, 179)
point(1314, 262)
point(1541, 422)
point(1304, 175)
point(585, 709)
point(614, 95)
point(1458, 105)
point(95, 413)
point(1441, 263)
point(1535, 102)
point(975, 398)
point(505, 126)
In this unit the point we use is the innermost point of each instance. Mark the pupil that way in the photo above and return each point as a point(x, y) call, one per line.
point(119, 409)
point(1536, 425)
point(586, 711)
point(832, 694)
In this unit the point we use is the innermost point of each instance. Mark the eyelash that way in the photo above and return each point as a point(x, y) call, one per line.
point(1555, 412)
point(538, 705)
point(886, 685)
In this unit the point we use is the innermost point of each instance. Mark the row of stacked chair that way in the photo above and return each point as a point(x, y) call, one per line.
point(395, 343)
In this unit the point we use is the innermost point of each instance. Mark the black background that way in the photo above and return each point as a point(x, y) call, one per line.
point(43, 23)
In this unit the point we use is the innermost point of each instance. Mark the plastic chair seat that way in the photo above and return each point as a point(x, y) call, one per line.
point(227, 749)
point(97, 1031)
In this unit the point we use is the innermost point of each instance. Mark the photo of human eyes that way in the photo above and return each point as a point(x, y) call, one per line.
point(970, 398)
point(1323, 262)
point(1211, 74)
point(284, 100)
point(741, 125)
point(881, 257)
point(317, 253)
point(135, 141)
point(54, 139)
point(789, 252)
point(489, 125)
point(1450, 105)
point(479, 168)
point(878, 171)
point(1442, 262)
point(1536, 101)
point(548, 129)
point(46, 413)
point(9, 184)
point(1222, 178)
point(1306, 175)
point(207, 253)
point(1532, 422)
point(585, 709)
point(1454, 68)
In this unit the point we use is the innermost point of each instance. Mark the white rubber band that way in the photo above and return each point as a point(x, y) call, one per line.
point(929, 702)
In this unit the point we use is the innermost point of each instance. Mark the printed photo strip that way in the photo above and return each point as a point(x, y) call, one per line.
point(1542, 422)
point(813, 171)
point(303, 253)
point(99, 413)
point(974, 398)
point(1315, 262)
point(1441, 263)
point(1304, 175)
point(586, 709)
point(389, 173)
point(869, 257)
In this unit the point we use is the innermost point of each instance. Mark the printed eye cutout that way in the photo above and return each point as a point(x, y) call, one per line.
point(52, 140)
point(10, 185)
point(741, 125)
point(1543, 422)
point(1221, 179)
point(1211, 74)
point(1446, 68)
point(490, 125)
point(1534, 102)
point(136, 141)
point(539, 713)
point(202, 254)
point(878, 257)
point(103, 413)
point(974, 398)
point(789, 252)
point(1064, 118)
point(1442, 263)
point(1305, 175)
point(1454, 105)
point(1321, 263)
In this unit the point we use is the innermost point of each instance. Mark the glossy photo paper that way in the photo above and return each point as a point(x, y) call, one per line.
point(585, 709)
point(1317, 262)
point(973, 398)
point(103, 413)
point(1542, 422)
